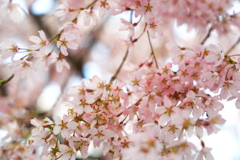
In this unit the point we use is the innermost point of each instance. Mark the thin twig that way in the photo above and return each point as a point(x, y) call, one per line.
point(142, 32)
point(131, 15)
point(152, 52)
point(233, 46)
point(124, 58)
point(207, 36)
point(2, 82)
point(91, 4)
point(120, 67)
point(234, 55)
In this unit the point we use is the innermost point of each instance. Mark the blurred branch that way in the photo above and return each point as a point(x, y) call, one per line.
point(207, 36)
point(233, 46)
point(125, 56)
point(152, 52)
point(120, 67)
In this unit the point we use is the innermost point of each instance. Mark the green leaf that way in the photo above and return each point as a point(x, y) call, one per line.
point(111, 151)
point(50, 127)
point(55, 150)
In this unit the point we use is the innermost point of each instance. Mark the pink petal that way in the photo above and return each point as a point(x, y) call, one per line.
point(64, 50)
point(167, 102)
point(237, 103)
point(72, 125)
point(163, 119)
point(57, 129)
point(88, 109)
point(35, 39)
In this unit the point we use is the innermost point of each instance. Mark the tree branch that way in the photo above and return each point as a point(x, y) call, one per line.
point(124, 58)
point(152, 52)
point(120, 67)
point(207, 36)
point(233, 46)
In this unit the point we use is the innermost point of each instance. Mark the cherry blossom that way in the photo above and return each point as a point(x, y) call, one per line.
point(15, 10)
point(39, 42)
point(102, 6)
point(62, 10)
point(88, 16)
point(45, 58)
point(67, 152)
point(154, 27)
point(8, 49)
point(23, 68)
point(65, 126)
point(127, 26)
point(66, 41)
point(61, 62)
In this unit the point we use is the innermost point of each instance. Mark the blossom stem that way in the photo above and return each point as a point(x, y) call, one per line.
point(207, 36)
point(234, 55)
point(152, 52)
point(142, 32)
point(139, 20)
point(2, 82)
point(120, 67)
point(90, 5)
point(124, 58)
point(233, 46)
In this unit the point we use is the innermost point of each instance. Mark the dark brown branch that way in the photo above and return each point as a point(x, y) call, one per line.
point(152, 52)
point(233, 46)
point(207, 36)
point(125, 56)
point(120, 67)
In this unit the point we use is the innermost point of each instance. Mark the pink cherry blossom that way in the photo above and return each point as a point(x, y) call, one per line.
point(66, 41)
point(127, 26)
point(62, 10)
point(64, 126)
point(23, 68)
point(45, 58)
point(102, 6)
point(8, 49)
point(15, 11)
point(154, 28)
point(39, 42)
point(61, 62)
point(148, 8)
point(67, 152)
point(88, 16)
point(100, 134)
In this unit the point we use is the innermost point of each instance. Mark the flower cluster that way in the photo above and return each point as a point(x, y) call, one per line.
point(165, 106)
